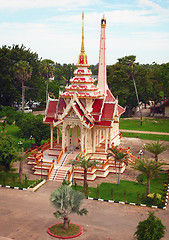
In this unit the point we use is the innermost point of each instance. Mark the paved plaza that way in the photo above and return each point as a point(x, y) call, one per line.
point(27, 215)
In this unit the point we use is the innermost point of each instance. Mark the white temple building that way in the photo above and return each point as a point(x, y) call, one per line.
point(86, 114)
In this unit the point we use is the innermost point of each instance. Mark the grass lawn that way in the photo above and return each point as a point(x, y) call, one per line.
point(146, 136)
point(149, 124)
point(127, 191)
point(12, 179)
point(58, 230)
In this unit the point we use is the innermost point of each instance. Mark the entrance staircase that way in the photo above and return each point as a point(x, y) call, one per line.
point(62, 169)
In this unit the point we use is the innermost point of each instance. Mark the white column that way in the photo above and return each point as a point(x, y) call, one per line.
point(63, 138)
point(68, 136)
point(100, 135)
point(82, 138)
point(86, 139)
point(51, 136)
point(58, 135)
point(94, 139)
point(97, 137)
point(106, 139)
point(110, 129)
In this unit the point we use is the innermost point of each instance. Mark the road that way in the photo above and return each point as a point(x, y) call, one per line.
point(26, 215)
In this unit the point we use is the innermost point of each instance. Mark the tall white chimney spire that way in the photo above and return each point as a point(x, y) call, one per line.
point(102, 77)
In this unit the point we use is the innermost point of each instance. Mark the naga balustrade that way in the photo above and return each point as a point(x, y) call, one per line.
point(70, 173)
point(51, 169)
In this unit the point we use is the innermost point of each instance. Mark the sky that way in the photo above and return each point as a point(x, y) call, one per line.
point(52, 28)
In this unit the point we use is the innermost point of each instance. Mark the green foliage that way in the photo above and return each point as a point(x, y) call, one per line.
point(124, 195)
point(98, 191)
point(140, 178)
point(75, 186)
point(7, 115)
point(120, 81)
point(12, 179)
point(7, 152)
point(67, 201)
point(64, 182)
point(146, 136)
point(148, 167)
point(156, 148)
point(84, 162)
point(149, 124)
point(36, 182)
point(112, 191)
point(10, 87)
point(138, 198)
point(30, 124)
point(119, 157)
point(150, 229)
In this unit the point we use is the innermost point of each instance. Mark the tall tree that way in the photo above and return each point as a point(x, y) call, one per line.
point(31, 125)
point(7, 152)
point(67, 201)
point(119, 157)
point(47, 70)
point(148, 167)
point(7, 116)
point(156, 148)
point(20, 156)
point(84, 162)
point(23, 72)
point(9, 85)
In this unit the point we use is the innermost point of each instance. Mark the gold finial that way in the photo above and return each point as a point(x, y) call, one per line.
point(82, 46)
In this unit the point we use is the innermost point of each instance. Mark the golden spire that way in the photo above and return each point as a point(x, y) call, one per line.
point(82, 56)
point(82, 46)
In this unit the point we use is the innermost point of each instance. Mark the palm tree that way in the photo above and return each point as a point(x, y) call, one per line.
point(156, 148)
point(119, 157)
point(148, 167)
point(20, 156)
point(84, 162)
point(47, 72)
point(23, 72)
point(67, 201)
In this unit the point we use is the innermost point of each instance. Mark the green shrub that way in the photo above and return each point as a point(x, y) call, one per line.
point(138, 198)
point(112, 193)
point(140, 178)
point(98, 190)
point(64, 182)
point(150, 229)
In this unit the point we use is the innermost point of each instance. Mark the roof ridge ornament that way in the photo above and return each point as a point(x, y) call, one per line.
point(82, 61)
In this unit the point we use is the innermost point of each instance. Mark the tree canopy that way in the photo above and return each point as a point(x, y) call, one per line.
point(67, 201)
point(152, 80)
point(31, 125)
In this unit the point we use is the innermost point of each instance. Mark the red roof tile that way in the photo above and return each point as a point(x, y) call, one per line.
point(48, 120)
point(108, 111)
point(120, 110)
point(109, 97)
point(103, 123)
point(97, 105)
point(52, 107)
point(96, 117)
point(61, 105)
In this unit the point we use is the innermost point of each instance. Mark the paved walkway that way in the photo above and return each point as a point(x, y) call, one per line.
point(146, 132)
point(26, 215)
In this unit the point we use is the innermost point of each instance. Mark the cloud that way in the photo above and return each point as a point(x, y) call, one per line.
point(154, 6)
point(30, 4)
